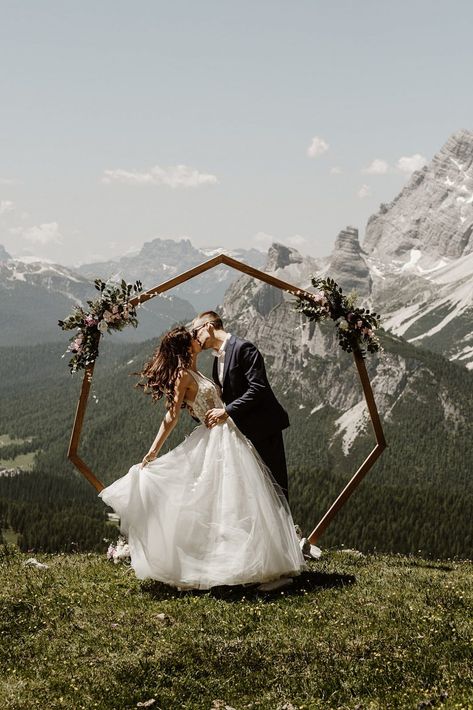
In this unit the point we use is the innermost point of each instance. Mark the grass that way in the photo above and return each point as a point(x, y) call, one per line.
point(9, 535)
point(354, 632)
point(23, 461)
point(6, 440)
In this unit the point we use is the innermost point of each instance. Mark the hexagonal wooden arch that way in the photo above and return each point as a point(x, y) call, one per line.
point(278, 283)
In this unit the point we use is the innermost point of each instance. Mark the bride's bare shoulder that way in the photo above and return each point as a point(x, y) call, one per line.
point(185, 380)
point(184, 376)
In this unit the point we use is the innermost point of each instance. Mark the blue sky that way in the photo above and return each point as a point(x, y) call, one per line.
point(101, 101)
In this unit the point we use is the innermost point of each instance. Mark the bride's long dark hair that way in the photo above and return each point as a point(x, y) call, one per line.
point(171, 357)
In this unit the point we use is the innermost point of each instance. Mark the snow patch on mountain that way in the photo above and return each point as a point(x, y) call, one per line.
point(401, 319)
point(317, 408)
point(460, 299)
point(465, 356)
point(351, 424)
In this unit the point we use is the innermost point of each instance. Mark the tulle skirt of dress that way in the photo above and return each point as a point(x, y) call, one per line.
point(205, 514)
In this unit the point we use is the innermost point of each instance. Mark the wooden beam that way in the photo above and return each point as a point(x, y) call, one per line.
point(77, 430)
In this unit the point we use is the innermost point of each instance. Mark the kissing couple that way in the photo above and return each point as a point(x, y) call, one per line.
point(214, 510)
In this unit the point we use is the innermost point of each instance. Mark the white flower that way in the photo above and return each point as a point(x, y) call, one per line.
point(102, 326)
point(343, 325)
point(119, 552)
point(122, 551)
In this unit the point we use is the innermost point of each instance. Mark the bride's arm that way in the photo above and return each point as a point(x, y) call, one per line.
point(170, 419)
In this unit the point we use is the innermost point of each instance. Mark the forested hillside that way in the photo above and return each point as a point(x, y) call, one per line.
point(418, 495)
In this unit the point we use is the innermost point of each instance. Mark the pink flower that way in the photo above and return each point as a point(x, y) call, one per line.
point(76, 345)
point(90, 321)
point(320, 299)
point(359, 323)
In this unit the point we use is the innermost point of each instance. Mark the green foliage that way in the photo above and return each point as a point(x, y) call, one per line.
point(372, 632)
point(355, 326)
point(112, 311)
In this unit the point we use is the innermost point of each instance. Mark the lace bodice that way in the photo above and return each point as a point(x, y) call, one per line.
point(207, 396)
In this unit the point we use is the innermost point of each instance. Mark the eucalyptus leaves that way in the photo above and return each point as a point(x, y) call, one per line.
point(110, 312)
point(355, 326)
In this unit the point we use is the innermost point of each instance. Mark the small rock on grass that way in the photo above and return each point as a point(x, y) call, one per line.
point(220, 705)
point(164, 619)
point(355, 553)
point(33, 562)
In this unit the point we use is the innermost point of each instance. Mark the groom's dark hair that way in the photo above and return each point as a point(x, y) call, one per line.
point(211, 317)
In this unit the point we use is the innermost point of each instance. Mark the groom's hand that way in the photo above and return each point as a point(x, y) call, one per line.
point(215, 416)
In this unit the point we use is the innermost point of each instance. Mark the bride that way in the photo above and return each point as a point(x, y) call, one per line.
point(208, 512)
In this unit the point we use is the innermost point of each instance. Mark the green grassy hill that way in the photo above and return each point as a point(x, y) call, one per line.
point(354, 632)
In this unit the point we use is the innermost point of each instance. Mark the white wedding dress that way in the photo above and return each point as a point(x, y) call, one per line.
point(208, 512)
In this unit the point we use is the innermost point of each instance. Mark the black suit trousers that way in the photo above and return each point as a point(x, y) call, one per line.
point(271, 450)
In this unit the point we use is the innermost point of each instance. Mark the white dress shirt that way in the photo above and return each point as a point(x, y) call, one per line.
point(220, 355)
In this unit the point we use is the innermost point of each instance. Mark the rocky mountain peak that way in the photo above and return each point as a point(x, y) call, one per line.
point(347, 265)
point(347, 241)
point(432, 218)
point(4, 255)
point(458, 147)
point(169, 250)
point(280, 256)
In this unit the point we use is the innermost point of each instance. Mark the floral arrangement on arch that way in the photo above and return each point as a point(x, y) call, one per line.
point(355, 326)
point(112, 311)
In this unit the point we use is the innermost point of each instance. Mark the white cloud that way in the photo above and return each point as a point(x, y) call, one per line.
point(173, 176)
point(364, 191)
point(408, 163)
point(376, 167)
point(6, 206)
point(9, 181)
point(336, 170)
point(46, 233)
point(317, 147)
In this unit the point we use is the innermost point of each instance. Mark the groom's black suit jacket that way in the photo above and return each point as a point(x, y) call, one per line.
point(247, 394)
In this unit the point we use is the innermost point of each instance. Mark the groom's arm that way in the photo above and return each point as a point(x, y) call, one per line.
point(251, 362)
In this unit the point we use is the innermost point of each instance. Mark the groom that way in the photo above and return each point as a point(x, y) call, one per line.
point(249, 400)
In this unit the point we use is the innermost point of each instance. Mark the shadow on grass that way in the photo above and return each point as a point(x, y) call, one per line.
point(305, 583)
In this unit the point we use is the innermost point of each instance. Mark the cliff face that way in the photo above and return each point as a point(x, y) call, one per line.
point(306, 364)
point(416, 262)
point(347, 264)
point(434, 212)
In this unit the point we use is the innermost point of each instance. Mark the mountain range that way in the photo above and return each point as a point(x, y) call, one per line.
point(415, 266)
point(35, 294)
point(161, 259)
point(419, 494)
